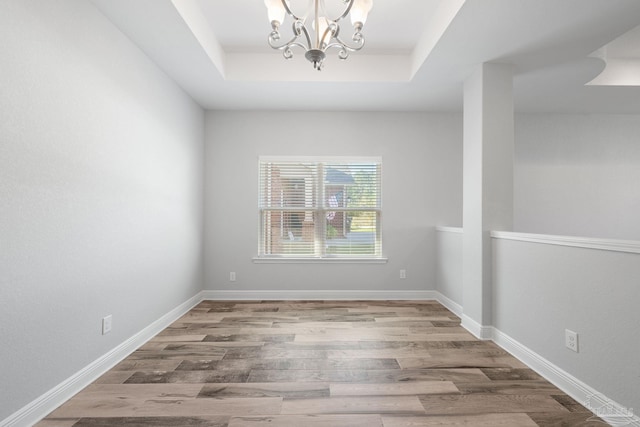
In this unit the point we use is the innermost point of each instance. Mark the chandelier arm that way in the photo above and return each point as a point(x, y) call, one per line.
point(344, 14)
point(284, 45)
point(340, 43)
point(298, 44)
point(298, 30)
point(289, 12)
point(344, 50)
point(332, 30)
point(303, 30)
point(346, 11)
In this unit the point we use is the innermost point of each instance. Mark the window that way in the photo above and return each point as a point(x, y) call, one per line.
point(320, 208)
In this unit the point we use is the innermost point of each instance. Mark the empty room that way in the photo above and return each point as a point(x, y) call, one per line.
point(319, 213)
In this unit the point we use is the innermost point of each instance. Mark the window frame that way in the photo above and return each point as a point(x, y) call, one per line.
point(319, 210)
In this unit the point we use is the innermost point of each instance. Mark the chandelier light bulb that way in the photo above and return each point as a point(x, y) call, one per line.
point(359, 11)
point(276, 11)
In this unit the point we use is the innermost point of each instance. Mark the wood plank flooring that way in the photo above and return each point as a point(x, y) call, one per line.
point(319, 364)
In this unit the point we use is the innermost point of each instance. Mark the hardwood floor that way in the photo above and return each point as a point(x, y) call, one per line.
point(320, 364)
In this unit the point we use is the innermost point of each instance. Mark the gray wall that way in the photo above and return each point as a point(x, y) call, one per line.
point(541, 290)
point(578, 175)
point(574, 175)
point(100, 193)
point(449, 264)
point(421, 187)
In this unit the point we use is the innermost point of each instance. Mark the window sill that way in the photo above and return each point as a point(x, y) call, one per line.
point(287, 260)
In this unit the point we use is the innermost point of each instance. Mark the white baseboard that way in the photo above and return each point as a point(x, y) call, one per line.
point(476, 329)
point(450, 304)
point(479, 331)
point(257, 295)
point(49, 401)
point(610, 411)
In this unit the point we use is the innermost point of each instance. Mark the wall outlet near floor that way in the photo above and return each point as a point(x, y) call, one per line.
point(106, 324)
point(571, 340)
point(403, 274)
point(232, 276)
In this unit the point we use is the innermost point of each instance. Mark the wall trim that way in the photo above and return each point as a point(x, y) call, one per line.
point(283, 295)
point(52, 399)
point(630, 246)
point(479, 331)
point(450, 304)
point(458, 230)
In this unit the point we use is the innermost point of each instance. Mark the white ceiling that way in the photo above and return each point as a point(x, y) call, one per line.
point(417, 54)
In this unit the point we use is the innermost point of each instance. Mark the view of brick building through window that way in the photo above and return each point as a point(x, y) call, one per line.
point(319, 209)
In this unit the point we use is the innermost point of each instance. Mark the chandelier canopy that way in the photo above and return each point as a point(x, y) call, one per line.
point(315, 31)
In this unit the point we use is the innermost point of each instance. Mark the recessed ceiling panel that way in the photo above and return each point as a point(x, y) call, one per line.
point(417, 56)
point(393, 26)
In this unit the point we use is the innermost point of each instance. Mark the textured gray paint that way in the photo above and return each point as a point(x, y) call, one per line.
point(449, 265)
point(541, 290)
point(421, 187)
point(100, 193)
point(578, 175)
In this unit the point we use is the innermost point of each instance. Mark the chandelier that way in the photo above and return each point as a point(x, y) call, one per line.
point(315, 31)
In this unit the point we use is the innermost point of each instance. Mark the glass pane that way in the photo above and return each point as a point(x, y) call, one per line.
point(288, 233)
point(287, 185)
point(315, 208)
point(352, 233)
point(353, 185)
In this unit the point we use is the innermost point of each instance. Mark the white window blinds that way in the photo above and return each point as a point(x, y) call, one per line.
point(319, 208)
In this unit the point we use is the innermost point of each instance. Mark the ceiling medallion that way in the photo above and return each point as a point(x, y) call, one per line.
point(315, 31)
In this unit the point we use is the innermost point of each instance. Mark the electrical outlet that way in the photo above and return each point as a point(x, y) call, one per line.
point(106, 324)
point(232, 276)
point(403, 274)
point(571, 340)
